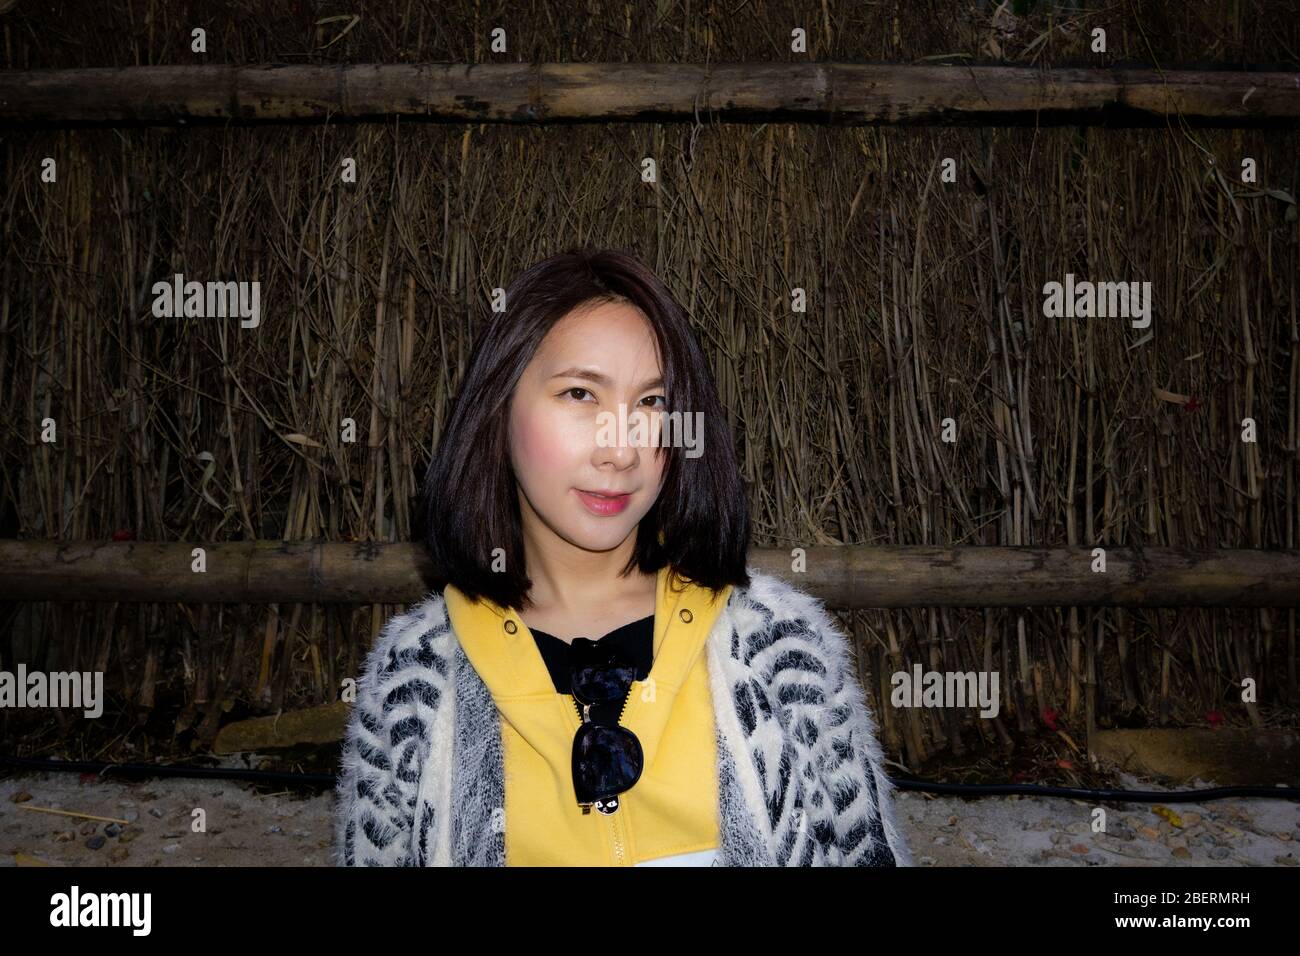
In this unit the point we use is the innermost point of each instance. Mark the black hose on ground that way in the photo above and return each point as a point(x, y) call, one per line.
point(145, 770)
point(1080, 793)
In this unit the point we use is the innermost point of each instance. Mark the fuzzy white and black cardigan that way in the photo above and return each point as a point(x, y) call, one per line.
point(800, 771)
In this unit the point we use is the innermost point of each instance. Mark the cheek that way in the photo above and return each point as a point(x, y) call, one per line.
point(540, 445)
point(658, 465)
point(655, 471)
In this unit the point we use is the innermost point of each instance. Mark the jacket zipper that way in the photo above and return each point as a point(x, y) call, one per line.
point(620, 858)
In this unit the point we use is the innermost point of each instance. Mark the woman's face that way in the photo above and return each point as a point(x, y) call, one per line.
point(566, 446)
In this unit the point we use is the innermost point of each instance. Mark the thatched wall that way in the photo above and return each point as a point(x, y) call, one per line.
point(924, 303)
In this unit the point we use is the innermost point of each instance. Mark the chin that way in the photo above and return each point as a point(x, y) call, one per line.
point(596, 534)
point(590, 541)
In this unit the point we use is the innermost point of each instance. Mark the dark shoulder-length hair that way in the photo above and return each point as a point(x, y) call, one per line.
point(699, 524)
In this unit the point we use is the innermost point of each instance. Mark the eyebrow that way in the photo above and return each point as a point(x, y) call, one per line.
point(591, 375)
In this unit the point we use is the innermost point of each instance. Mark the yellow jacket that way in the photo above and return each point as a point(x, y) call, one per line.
point(673, 807)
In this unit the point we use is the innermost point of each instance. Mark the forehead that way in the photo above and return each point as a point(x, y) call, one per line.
point(616, 334)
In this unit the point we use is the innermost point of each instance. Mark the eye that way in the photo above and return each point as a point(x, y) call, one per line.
point(576, 388)
point(660, 397)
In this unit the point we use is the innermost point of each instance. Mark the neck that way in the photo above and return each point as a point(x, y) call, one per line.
point(570, 579)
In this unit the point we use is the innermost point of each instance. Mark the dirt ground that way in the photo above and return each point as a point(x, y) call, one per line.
point(152, 824)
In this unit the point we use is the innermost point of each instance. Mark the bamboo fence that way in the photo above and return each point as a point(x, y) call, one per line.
point(924, 304)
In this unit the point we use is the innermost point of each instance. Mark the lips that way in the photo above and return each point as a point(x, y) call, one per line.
point(604, 503)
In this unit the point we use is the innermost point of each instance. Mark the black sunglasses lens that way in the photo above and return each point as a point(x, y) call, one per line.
point(601, 685)
point(606, 760)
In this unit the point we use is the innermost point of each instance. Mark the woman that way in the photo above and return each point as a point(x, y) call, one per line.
point(597, 678)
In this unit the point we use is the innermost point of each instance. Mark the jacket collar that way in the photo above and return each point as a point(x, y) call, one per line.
point(504, 653)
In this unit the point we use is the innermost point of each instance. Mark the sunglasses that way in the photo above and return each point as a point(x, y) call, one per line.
point(607, 758)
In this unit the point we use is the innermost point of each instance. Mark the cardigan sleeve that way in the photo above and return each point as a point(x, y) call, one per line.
point(381, 756)
point(848, 751)
point(867, 832)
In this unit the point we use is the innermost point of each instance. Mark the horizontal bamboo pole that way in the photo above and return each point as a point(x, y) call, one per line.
point(849, 576)
point(837, 93)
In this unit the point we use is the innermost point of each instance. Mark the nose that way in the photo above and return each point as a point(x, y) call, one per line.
point(623, 454)
point(624, 437)
point(629, 432)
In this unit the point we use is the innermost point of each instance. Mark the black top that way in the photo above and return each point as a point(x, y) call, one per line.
point(635, 640)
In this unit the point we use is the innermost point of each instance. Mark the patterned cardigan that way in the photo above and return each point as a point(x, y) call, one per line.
point(800, 773)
